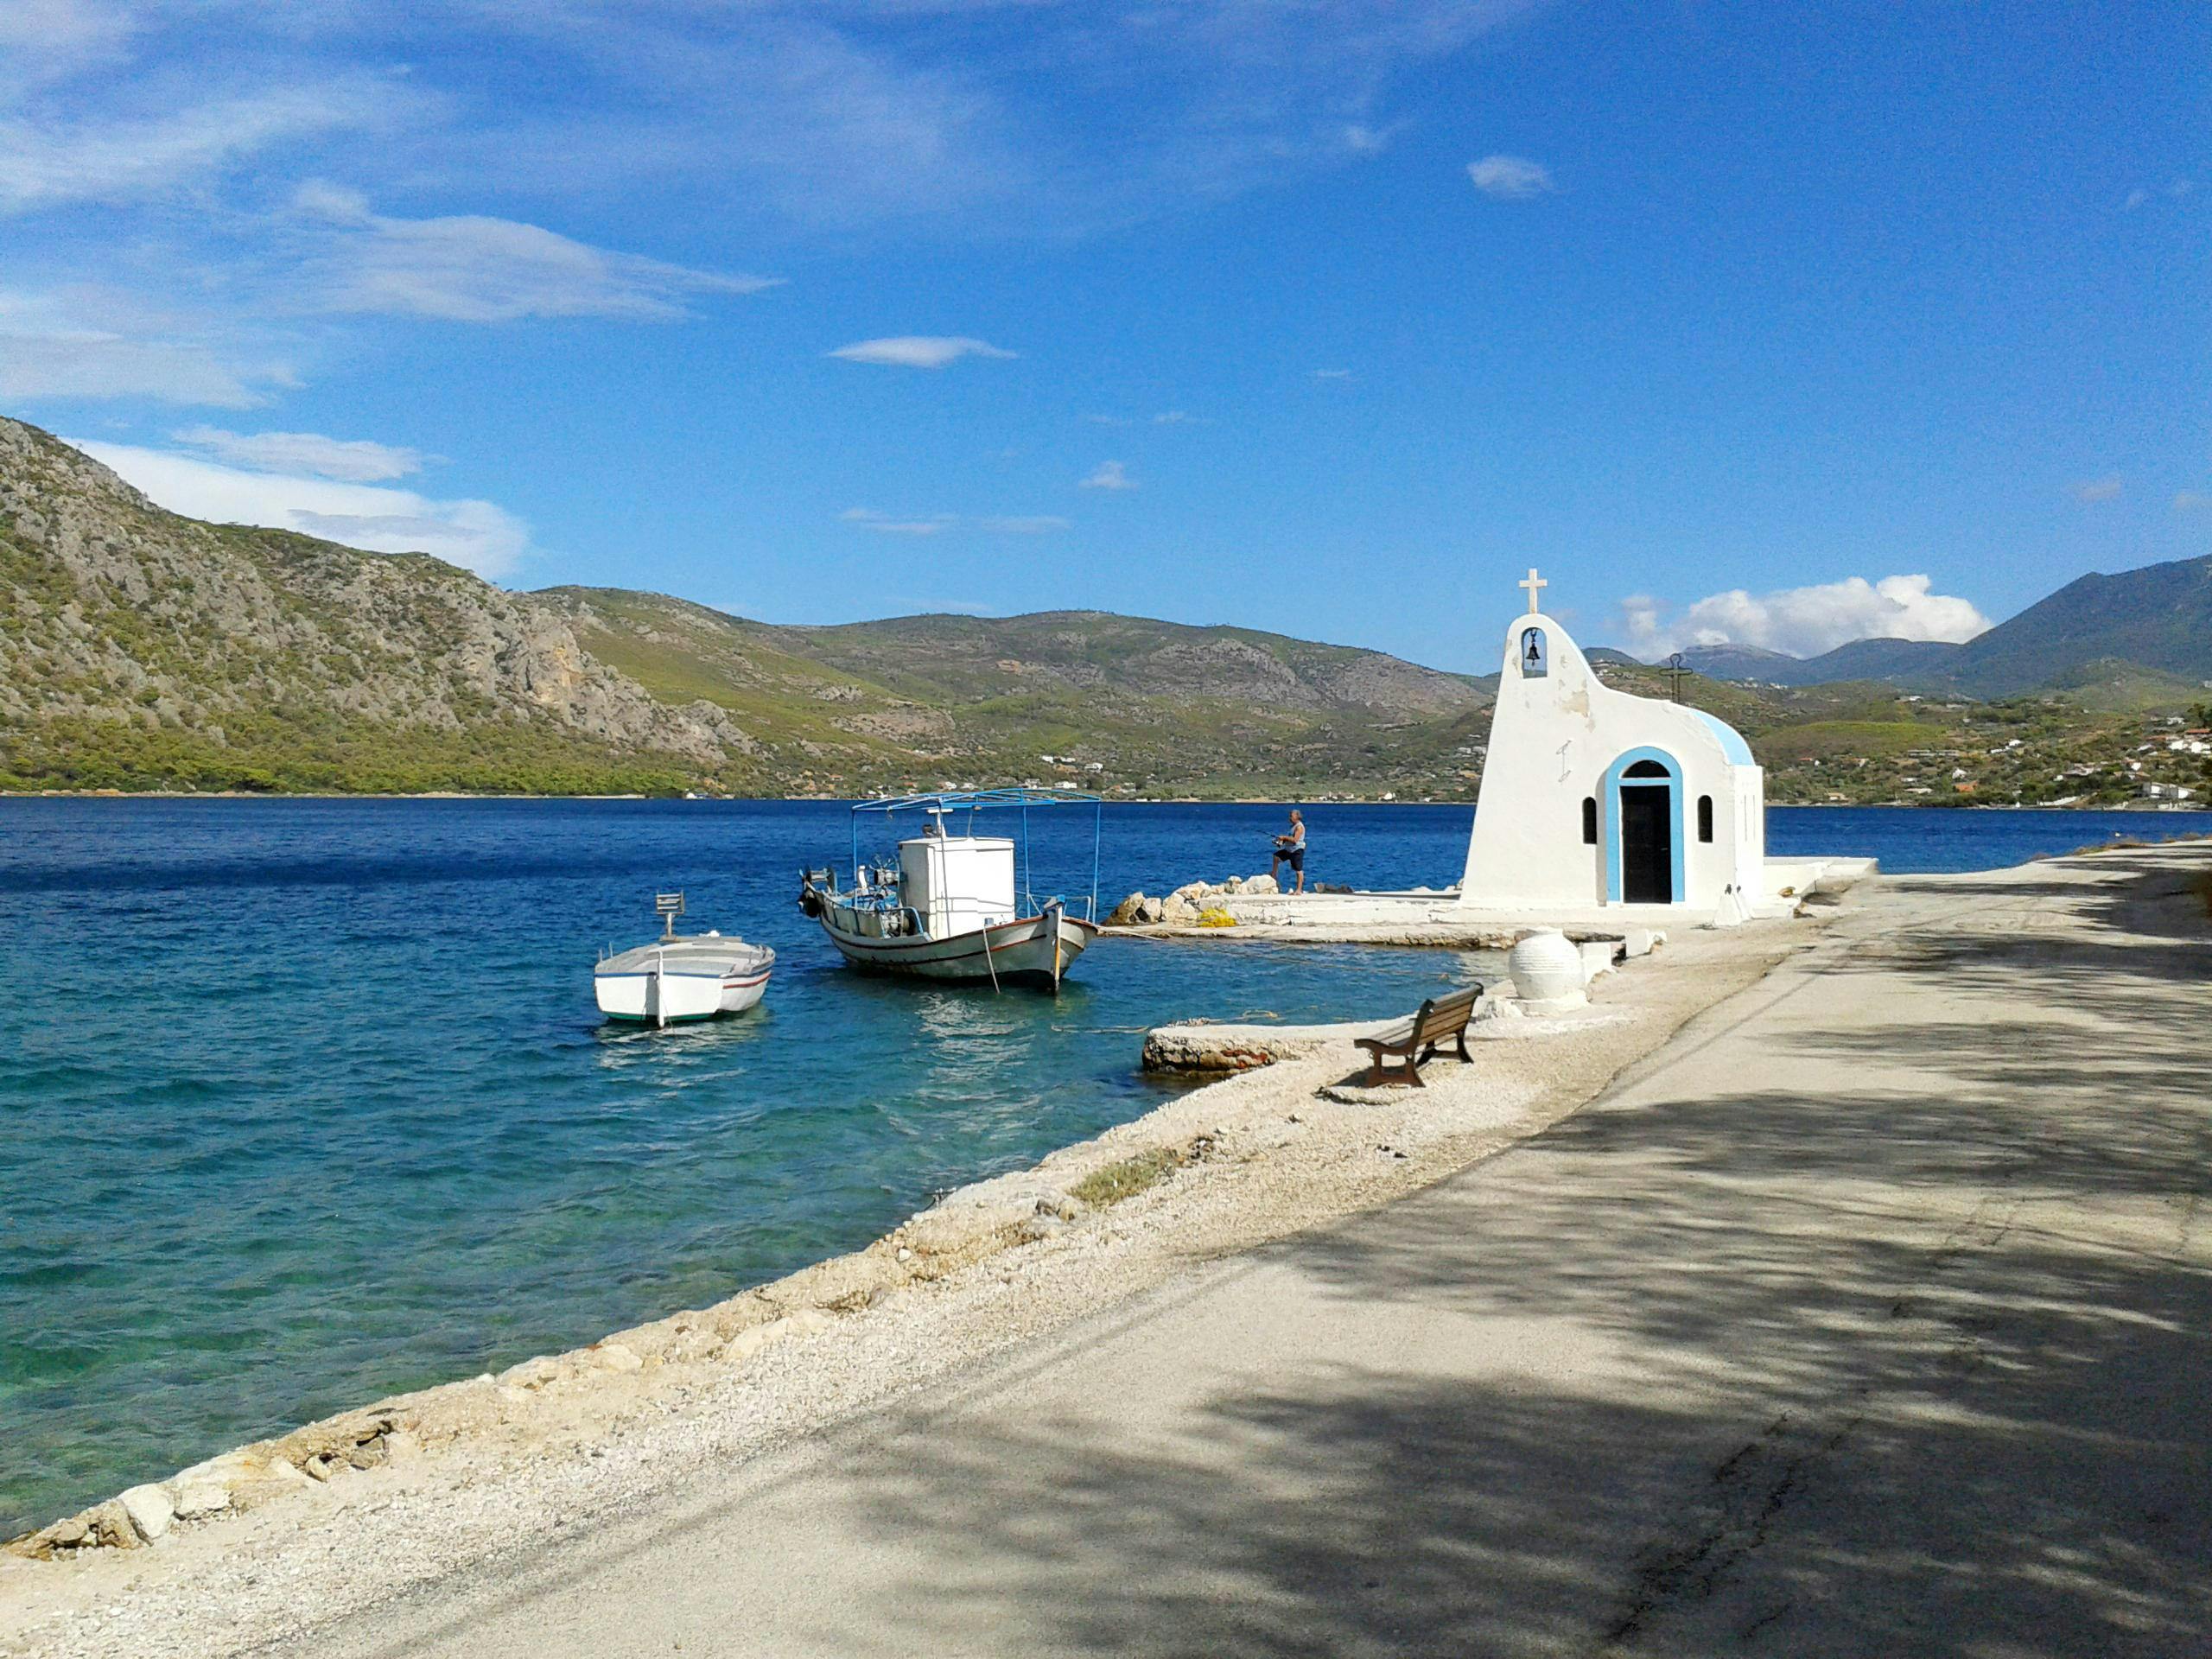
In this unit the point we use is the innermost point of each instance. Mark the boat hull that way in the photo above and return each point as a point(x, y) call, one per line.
point(647, 987)
point(1027, 950)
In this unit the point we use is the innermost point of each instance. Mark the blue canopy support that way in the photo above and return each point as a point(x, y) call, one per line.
point(972, 801)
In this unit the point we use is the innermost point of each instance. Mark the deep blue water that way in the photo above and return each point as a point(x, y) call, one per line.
point(302, 1102)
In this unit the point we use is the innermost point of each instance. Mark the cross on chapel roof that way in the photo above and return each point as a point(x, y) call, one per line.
point(1533, 584)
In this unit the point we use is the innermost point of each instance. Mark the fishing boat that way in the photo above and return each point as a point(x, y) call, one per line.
point(681, 977)
point(955, 905)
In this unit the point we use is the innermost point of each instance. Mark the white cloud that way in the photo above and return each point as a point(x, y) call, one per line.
point(2091, 490)
point(933, 523)
point(468, 268)
point(90, 342)
point(918, 351)
point(884, 524)
point(1332, 374)
point(1805, 622)
point(119, 158)
point(1511, 176)
point(1109, 475)
point(2191, 501)
point(355, 460)
point(476, 535)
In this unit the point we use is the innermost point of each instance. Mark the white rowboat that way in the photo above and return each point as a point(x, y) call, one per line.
point(682, 976)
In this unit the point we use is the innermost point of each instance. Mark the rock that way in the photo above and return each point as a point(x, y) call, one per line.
point(149, 1510)
point(1061, 1206)
point(1258, 884)
point(1178, 910)
point(1128, 913)
point(614, 1356)
point(1643, 941)
point(1155, 909)
point(1189, 893)
point(111, 1525)
point(1235, 884)
point(67, 1535)
point(194, 1498)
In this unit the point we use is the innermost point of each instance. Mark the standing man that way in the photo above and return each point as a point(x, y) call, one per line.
point(1291, 849)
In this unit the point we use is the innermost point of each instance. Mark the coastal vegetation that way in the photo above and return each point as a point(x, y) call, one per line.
point(1125, 1179)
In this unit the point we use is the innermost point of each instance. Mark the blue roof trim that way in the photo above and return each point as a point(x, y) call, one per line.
point(1733, 745)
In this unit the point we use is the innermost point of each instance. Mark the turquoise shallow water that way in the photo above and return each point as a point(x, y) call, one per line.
point(302, 1102)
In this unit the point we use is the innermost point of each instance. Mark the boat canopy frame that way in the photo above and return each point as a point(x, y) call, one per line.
point(972, 801)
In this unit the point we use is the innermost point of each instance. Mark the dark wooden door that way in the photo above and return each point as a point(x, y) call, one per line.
point(1647, 846)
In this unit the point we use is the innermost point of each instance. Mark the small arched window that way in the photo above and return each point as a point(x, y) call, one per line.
point(1589, 820)
point(1535, 654)
point(1704, 817)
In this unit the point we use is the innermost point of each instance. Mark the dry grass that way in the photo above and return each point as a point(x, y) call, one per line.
point(1130, 1177)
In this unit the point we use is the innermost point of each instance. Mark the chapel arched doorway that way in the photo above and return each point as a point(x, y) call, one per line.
point(1643, 797)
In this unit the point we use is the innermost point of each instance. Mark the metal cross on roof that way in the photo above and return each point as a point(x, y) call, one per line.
point(1534, 582)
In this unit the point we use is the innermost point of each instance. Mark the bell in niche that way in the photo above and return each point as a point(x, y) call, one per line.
point(1532, 652)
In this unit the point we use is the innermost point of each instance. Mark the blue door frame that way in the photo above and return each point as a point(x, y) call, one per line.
point(1609, 802)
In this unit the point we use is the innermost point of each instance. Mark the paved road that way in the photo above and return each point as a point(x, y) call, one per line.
point(1868, 1317)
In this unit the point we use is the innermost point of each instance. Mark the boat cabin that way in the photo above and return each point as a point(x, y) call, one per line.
point(954, 884)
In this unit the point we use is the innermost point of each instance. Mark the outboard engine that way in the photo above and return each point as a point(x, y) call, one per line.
point(812, 884)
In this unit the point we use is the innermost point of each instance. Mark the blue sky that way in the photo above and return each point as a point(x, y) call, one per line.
point(1785, 325)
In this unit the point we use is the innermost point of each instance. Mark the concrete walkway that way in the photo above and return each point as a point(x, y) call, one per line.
point(1870, 1316)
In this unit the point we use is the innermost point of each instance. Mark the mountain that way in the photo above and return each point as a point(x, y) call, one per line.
point(1740, 663)
point(1901, 662)
point(2159, 617)
point(1158, 706)
point(139, 649)
point(2150, 629)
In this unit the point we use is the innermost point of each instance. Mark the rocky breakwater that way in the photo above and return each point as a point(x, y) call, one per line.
point(1188, 905)
point(1200, 1048)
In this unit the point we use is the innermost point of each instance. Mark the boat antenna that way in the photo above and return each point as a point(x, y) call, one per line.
point(667, 906)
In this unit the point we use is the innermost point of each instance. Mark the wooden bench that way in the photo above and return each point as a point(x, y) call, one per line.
point(1415, 1039)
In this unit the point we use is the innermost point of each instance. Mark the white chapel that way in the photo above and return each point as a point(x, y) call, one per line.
point(1592, 797)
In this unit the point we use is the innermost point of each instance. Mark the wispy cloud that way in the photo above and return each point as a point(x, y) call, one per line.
point(2093, 490)
point(1109, 475)
point(2191, 501)
point(1509, 176)
point(97, 343)
point(1805, 622)
point(476, 535)
point(918, 351)
point(936, 523)
point(469, 267)
point(885, 524)
point(1332, 374)
point(115, 159)
point(353, 460)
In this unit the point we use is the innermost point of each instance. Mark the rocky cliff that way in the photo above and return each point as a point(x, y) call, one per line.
point(132, 638)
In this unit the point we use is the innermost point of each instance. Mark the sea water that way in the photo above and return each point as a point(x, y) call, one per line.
point(305, 1102)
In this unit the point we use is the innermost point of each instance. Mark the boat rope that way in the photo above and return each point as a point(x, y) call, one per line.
point(990, 961)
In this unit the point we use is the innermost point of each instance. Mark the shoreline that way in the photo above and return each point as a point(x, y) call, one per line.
point(2138, 808)
point(1227, 1168)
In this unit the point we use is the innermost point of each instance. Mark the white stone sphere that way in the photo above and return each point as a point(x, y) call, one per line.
point(1546, 968)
